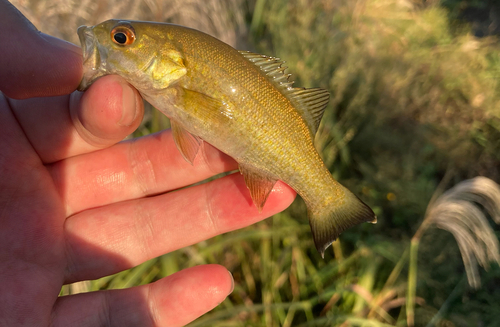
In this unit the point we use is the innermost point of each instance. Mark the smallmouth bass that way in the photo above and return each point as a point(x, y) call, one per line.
point(238, 101)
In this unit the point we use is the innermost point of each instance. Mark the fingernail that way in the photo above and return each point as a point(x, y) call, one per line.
point(129, 103)
point(232, 282)
point(62, 44)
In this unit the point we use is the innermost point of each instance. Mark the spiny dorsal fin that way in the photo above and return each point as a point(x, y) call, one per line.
point(310, 103)
point(272, 67)
point(259, 186)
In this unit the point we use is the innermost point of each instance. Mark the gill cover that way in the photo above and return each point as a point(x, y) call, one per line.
point(165, 67)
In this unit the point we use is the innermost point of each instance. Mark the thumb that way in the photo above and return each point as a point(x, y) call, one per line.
point(33, 64)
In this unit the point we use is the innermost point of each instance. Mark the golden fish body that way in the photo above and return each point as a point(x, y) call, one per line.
point(240, 102)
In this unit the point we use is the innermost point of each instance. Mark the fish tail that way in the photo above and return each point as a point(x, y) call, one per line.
point(329, 221)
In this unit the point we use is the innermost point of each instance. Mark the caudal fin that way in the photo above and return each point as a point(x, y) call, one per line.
point(327, 223)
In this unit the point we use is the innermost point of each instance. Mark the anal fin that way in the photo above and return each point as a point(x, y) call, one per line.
point(187, 143)
point(259, 186)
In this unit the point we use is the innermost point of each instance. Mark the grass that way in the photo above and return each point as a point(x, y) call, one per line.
point(413, 112)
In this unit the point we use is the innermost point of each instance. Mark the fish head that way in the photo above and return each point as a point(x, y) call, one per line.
point(145, 54)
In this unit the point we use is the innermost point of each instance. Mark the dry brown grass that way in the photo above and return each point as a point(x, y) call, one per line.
point(223, 19)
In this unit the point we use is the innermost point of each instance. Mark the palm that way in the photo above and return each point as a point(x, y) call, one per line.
point(74, 205)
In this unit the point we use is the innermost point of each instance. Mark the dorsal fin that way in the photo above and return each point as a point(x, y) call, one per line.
point(313, 102)
point(272, 67)
point(310, 103)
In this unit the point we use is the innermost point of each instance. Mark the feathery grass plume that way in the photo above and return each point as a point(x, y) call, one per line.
point(456, 211)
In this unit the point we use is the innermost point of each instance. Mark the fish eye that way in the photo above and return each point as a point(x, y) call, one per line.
point(123, 35)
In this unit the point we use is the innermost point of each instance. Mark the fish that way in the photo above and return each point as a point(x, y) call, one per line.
point(240, 102)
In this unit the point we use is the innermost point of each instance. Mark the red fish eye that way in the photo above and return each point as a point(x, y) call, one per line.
point(123, 35)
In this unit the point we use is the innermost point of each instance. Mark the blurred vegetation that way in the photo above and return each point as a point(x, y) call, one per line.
point(414, 111)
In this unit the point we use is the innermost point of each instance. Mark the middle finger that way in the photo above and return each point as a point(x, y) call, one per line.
point(132, 169)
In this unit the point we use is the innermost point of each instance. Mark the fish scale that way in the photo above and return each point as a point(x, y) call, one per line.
point(240, 102)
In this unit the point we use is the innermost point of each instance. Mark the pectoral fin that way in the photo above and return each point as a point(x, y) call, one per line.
point(259, 186)
point(203, 107)
point(187, 143)
point(196, 107)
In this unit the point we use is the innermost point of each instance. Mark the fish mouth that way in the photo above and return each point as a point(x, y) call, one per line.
point(93, 57)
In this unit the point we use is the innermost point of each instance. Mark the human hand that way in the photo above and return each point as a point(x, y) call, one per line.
point(75, 206)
